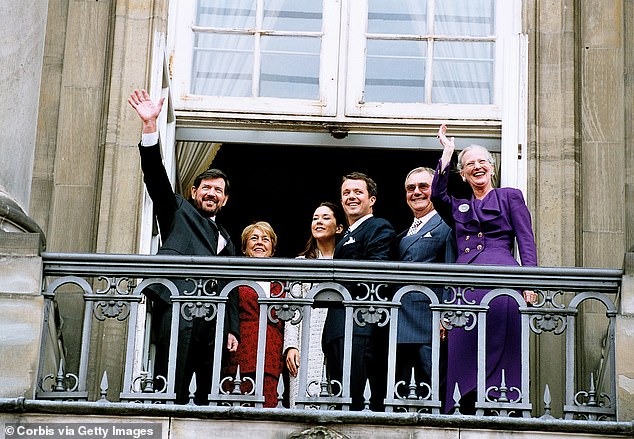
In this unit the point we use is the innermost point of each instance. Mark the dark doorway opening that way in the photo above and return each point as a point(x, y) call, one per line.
point(283, 184)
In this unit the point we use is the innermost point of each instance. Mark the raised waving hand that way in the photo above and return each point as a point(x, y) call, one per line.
point(147, 110)
point(448, 145)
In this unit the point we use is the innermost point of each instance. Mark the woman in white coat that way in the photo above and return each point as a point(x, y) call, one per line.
point(326, 226)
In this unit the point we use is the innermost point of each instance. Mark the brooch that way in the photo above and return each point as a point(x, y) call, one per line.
point(463, 208)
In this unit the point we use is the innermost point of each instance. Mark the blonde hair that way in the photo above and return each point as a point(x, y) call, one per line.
point(264, 227)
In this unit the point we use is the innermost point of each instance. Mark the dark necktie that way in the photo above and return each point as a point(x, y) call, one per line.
point(346, 234)
point(219, 245)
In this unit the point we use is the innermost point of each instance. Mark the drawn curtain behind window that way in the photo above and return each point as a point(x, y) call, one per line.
point(430, 51)
point(249, 48)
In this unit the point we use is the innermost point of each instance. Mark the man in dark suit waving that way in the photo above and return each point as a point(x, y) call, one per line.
point(187, 228)
point(367, 238)
point(428, 239)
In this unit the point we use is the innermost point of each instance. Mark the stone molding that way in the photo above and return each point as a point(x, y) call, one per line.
point(13, 219)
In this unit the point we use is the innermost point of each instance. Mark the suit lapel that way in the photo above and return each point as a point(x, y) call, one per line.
point(354, 235)
point(429, 226)
point(212, 236)
point(223, 232)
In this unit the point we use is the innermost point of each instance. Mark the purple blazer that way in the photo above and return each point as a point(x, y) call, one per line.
point(486, 229)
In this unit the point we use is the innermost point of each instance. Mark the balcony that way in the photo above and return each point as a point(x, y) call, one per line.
point(575, 316)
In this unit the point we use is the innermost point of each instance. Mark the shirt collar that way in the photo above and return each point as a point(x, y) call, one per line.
point(359, 221)
point(425, 218)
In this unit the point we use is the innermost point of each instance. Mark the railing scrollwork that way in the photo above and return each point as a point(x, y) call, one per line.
point(371, 294)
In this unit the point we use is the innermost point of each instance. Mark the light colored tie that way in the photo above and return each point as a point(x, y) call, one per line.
point(417, 222)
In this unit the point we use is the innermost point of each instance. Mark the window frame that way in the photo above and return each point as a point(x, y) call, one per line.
point(310, 121)
point(357, 107)
point(181, 43)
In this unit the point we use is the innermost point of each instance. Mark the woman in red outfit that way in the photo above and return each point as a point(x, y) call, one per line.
point(258, 241)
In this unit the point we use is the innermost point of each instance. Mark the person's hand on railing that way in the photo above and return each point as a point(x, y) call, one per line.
point(530, 297)
point(443, 333)
point(232, 343)
point(292, 361)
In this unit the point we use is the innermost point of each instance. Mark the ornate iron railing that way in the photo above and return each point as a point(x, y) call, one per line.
point(113, 289)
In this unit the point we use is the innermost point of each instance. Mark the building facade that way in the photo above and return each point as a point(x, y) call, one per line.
point(556, 108)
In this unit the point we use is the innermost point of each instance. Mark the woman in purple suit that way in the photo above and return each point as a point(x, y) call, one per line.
point(486, 226)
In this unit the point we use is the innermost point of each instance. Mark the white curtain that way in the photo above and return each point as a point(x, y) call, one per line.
point(192, 158)
point(229, 60)
point(461, 71)
point(229, 56)
point(223, 63)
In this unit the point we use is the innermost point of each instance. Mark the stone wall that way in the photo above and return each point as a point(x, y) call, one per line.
point(19, 93)
point(87, 190)
point(625, 343)
point(21, 306)
point(276, 424)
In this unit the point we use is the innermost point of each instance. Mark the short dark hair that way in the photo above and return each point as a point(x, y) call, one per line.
point(213, 173)
point(371, 185)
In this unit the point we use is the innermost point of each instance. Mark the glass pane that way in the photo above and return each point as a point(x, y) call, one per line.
point(465, 17)
point(222, 65)
point(228, 14)
point(292, 15)
point(290, 67)
point(395, 71)
point(463, 72)
point(397, 17)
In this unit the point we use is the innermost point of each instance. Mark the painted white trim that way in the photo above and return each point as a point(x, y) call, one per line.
point(355, 102)
point(513, 160)
point(159, 86)
point(156, 88)
point(326, 105)
point(342, 81)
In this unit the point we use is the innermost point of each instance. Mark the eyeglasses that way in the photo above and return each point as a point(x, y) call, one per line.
point(471, 165)
point(420, 186)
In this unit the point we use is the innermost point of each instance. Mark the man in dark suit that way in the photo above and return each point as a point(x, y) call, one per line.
point(367, 238)
point(187, 228)
point(428, 239)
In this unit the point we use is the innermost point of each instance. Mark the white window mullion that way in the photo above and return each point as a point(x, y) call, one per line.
point(253, 105)
point(257, 49)
point(511, 95)
point(332, 78)
point(182, 43)
point(355, 61)
point(359, 104)
point(342, 94)
point(429, 62)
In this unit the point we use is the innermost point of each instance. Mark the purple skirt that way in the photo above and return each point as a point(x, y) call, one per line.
point(503, 349)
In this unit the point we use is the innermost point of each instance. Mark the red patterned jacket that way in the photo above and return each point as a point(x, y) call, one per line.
point(246, 355)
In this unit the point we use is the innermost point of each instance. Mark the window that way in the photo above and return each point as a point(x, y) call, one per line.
point(375, 58)
point(352, 67)
point(427, 58)
point(430, 51)
point(266, 56)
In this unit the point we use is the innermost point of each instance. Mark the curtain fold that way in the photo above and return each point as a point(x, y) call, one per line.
point(192, 158)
